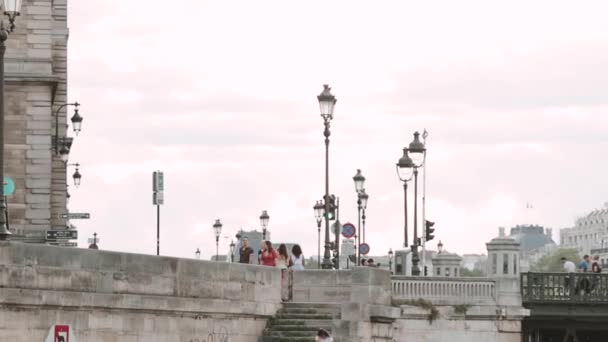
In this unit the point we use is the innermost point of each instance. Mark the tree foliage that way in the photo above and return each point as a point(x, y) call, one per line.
point(465, 272)
point(552, 262)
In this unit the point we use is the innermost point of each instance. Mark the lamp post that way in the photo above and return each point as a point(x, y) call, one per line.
point(359, 180)
point(197, 253)
point(439, 247)
point(405, 169)
point(76, 176)
point(319, 211)
point(63, 151)
point(232, 248)
point(416, 151)
point(364, 197)
point(11, 10)
point(327, 102)
point(264, 223)
point(390, 260)
point(217, 230)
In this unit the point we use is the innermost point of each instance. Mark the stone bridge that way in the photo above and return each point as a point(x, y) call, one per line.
point(112, 296)
point(565, 307)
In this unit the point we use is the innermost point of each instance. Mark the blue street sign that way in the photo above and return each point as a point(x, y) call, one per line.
point(348, 230)
point(364, 248)
point(9, 186)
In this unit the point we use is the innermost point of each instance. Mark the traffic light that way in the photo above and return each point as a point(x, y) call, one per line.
point(426, 271)
point(429, 230)
point(331, 214)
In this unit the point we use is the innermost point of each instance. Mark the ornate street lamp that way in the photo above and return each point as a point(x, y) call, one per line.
point(264, 223)
point(416, 151)
point(327, 103)
point(217, 230)
point(76, 176)
point(390, 260)
point(76, 120)
point(11, 10)
point(198, 253)
point(405, 169)
point(439, 247)
point(359, 187)
point(232, 249)
point(319, 211)
point(364, 197)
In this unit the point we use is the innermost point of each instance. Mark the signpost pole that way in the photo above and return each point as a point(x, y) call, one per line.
point(157, 229)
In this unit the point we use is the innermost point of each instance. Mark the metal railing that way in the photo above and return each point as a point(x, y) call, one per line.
point(445, 290)
point(564, 287)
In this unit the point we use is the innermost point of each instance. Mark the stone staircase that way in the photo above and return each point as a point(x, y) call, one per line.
point(299, 322)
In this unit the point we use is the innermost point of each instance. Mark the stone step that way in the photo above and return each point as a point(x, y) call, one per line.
point(286, 339)
point(292, 327)
point(303, 322)
point(304, 316)
point(301, 310)
point(310, 333)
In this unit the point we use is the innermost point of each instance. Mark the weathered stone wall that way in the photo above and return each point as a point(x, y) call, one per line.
point(110, 296)
point(322, 286)
point(36, 83)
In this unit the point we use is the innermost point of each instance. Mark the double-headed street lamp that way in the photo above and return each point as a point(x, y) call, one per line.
point(327, 102)
point(264, 218)
point(410, 162)
point(217, 230)
point(12, 9)
point(62, 146)
point(319, 211)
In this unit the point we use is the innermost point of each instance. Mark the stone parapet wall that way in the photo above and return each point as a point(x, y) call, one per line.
point(110, 296)
point(322, 286)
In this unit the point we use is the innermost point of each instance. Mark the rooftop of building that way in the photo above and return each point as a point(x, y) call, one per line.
point(531, 236)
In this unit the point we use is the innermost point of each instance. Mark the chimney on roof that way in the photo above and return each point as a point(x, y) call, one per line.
point(501, 231)
point(549, 232)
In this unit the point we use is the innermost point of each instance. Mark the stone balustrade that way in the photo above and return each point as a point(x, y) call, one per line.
point(445, 291)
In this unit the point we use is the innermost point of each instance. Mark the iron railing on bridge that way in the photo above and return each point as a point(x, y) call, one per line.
point(564, 287)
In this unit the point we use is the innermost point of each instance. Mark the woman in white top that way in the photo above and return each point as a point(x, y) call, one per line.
point(297, 259)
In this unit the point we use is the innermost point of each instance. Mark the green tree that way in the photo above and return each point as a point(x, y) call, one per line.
point(552, 262)
point(465, 272)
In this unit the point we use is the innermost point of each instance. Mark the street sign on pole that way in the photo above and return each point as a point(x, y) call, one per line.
point(63, 244)
point(9, 186)
point(76, 216)
point(63, 234)
point(348, 230)
point(364, 248)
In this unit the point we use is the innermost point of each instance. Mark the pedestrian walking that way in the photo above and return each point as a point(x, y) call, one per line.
point(570, 268)
point(283, 262)
point(269, 256)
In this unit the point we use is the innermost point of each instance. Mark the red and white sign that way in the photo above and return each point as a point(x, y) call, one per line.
point(60, 333)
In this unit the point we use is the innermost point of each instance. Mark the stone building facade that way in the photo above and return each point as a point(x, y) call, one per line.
point(35, 87)
point(589, 232)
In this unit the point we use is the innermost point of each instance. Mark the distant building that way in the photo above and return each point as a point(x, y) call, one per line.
point(474, 262)
point(219, 257)
point(535, 241)
point(589, 232)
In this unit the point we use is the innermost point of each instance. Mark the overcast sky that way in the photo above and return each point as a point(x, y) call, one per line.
point(221, 96)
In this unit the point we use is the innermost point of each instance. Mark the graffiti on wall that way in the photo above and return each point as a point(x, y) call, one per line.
point(219, 334)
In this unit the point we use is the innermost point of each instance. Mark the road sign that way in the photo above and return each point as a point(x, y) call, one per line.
point(364, 248)
point(63, 234)
point(347, 247)
point(76, 216)
point(158, 181)
point(64, 244)
point(158, 198)
point(9, 186)
point(348, 230)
